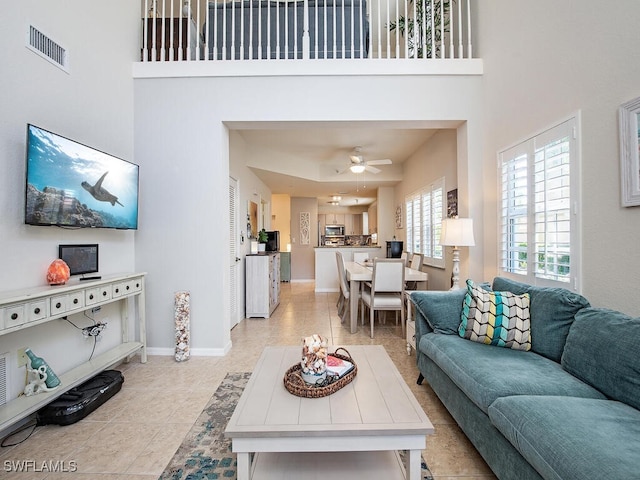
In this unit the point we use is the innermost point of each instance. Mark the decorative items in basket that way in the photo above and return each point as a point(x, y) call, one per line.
point(341, 369)
point(314, 359)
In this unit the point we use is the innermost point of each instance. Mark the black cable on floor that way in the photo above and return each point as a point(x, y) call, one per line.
point(32, 425)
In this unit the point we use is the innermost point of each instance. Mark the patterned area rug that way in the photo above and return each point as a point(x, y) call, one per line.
point(205, 453)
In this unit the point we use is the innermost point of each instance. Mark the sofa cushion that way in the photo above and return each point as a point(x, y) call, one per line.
point(572, 438)
point(496, 318)
point(440, 309)
point(485, 373)
point(552, 312)
point(603, 350)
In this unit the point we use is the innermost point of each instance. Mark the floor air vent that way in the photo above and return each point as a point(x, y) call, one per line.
point(4, 359)
point(39, 43)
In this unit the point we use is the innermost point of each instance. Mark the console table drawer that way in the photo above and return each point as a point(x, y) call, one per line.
point(67, 303)
point(37, 310)
point(14, 316)
point(104, 293)
point(91, 296)
point(58, 304)
point(119, 289)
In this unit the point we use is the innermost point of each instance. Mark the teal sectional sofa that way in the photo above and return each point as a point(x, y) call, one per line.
point(568, 408)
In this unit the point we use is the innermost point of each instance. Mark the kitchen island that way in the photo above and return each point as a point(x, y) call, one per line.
point(327, 268)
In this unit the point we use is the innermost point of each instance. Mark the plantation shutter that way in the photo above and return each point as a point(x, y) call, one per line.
point(538, 227)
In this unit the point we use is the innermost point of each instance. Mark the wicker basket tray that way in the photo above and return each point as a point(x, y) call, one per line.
point(294, 383)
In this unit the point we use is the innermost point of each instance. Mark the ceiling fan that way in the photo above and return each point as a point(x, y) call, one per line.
point(359, 165)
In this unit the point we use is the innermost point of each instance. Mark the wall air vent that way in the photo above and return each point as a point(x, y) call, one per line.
point(4, 380)
point(41, 44)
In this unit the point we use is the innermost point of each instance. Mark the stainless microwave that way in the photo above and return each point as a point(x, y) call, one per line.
point(334, 231)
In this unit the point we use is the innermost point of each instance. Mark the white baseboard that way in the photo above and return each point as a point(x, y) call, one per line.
point(196, 352)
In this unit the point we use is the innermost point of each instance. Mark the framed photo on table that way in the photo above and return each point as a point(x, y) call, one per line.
point(629, 124)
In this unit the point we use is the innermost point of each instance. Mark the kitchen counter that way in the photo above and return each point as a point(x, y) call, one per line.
point(327, 267)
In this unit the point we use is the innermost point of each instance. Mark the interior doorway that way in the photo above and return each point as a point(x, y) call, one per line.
point(234, 258)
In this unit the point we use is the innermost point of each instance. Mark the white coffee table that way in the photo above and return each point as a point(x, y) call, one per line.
point(355, 433)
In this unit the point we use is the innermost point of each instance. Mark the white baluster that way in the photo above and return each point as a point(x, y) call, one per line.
point(325, 14)
point(460, 49)
point(469, 29)
point(433, 28)
point(145, 33)
point(306, 39)
point(164, 37)
point(251, 30)
point(442, 52)
point(451, 30)
point(379, 33)
point(260, 29)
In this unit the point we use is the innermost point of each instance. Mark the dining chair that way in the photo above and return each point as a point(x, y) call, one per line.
point(345, 293)
point(416, 264)
point(360, 257)
point(405, 257)
point(386, 291)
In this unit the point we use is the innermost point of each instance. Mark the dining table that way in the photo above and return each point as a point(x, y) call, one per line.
point(363, 272)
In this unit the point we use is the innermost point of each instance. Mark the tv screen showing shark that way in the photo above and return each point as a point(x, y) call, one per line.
point(69, 184)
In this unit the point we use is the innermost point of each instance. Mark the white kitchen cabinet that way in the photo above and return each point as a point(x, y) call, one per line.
point(262, 284)
point(335, 218)
point(322, 221)
point(348, 224)
point(357, 224)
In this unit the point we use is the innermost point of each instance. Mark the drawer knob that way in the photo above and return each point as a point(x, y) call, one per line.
point(14, 316)
point(75, 301)
point(37, 310)
point(127, 287)
point(117, 290)
point(91, 297)
point(58, 305)
point(104, 293)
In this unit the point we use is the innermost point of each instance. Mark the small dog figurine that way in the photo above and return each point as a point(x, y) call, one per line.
point(37, 379)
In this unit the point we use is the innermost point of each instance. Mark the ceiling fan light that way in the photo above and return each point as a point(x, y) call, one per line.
point(357, 168)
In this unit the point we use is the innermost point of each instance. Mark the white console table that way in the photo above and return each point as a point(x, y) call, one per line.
point(30, 307)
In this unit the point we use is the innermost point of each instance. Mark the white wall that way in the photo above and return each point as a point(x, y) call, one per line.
point(435, 159)
point(545, 60)
point(180, 136)
point(92, 104)
point(281, 218)
point(303, 266)
point(250, 188)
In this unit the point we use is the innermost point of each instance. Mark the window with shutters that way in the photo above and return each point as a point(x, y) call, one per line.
point(538, 237)
point(424, 213)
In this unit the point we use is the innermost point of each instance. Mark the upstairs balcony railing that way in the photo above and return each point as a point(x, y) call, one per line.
point(217, 30)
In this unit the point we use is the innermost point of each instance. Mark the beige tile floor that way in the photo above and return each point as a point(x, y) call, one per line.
point(134, 435)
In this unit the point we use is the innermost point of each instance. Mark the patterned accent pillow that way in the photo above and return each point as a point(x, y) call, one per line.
point(496, 318)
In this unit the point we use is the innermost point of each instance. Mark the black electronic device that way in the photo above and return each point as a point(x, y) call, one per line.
point(81, 259)
point(69, 184)
point(273, 241)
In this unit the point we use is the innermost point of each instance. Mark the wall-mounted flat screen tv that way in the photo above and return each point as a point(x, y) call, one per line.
point(72, 185)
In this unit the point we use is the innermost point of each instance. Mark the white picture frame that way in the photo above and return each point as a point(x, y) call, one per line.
point(629, 125)
point(305, 228)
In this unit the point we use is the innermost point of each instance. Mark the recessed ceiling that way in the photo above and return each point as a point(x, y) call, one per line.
point(311, 159)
